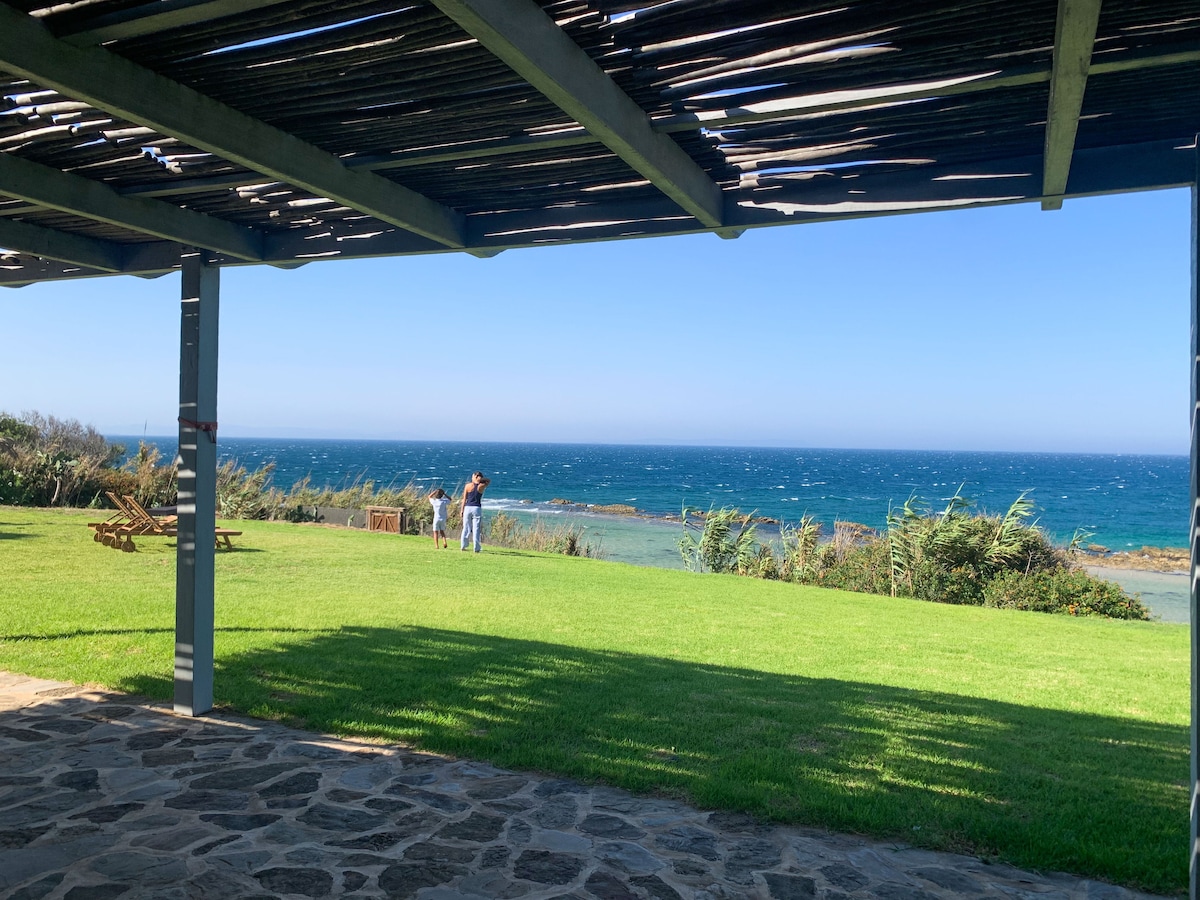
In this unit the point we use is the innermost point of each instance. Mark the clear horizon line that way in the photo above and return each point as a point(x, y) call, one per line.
point(682, 444)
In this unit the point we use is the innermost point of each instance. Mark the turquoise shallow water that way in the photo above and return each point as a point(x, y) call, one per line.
point(1166, 593)
point(642, 542)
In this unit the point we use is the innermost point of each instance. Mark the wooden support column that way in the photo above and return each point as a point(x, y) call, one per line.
point(195, 547)
point(1194, 851)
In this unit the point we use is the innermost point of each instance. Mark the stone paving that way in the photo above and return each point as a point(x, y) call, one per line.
point(104, 795)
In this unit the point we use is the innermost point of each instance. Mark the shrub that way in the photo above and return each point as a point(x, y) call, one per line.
point(950, 556)
point(46, 461)
point(960, 585)
point(66, 437)
point(762, 564)
point(14, 432)
point(865, 568)
point(1070, 591)
point(37, 477)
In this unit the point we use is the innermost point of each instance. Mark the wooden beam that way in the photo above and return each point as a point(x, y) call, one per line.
point(1151, 166)
point(843, 101)
point(152, 18)
point(81, 196)
point(48, 243)
point(111, 83)
point(524, 143)
point(194, 546)
point(875, 95)
point(1163, 55)
point(1194, 541)
point(1074, 38)
point(533, 46)
point(169, 186)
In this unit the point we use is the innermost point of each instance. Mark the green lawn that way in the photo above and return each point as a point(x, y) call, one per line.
point(1049, 742)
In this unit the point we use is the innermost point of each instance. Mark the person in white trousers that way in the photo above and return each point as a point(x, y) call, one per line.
point(472, 511)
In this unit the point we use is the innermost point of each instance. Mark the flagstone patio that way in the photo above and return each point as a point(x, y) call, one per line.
point(105, 795)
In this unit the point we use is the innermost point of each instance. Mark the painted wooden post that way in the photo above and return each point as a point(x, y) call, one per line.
point(197, 488)
point(1194, 861)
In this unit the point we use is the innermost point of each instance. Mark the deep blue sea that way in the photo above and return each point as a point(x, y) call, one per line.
point(1126, 501)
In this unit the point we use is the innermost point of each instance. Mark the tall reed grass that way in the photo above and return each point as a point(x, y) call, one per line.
point(569, 540)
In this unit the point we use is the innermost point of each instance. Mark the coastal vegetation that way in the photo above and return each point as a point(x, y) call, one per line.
point(1056, 743)
point(569, 540)
point(956, 556)
point(952, 557)
point(49, 462)
point(46, 461)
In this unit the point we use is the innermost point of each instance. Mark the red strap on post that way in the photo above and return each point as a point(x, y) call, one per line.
point(209, 428)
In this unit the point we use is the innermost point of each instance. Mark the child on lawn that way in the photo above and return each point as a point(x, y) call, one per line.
point(440, 501)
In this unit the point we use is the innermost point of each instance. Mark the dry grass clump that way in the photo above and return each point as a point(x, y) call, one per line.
point(569, 540)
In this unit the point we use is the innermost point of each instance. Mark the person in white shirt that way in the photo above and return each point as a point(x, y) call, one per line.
point(440, 501)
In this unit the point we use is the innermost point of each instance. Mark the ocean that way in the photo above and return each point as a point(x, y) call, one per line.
point(1122, 501)
point(1126, 501)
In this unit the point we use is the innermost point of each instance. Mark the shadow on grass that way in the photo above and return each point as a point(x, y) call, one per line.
point(1045, 789)
point(14, 535)
point(139, 548)
point(163, 683)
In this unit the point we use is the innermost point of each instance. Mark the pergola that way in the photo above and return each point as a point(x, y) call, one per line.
point(140, 137)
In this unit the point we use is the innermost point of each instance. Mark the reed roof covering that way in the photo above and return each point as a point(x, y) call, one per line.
point(286, 131)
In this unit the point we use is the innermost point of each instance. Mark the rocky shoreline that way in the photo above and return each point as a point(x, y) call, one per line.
point(632, 512)
point(1148, 559)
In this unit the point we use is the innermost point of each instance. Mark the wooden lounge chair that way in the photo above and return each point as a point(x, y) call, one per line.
point(154, 524)
point(121, 519)
point(166, 526)
point(130, 519)
point(118, 518)
point(142, 523)
point(146, 523)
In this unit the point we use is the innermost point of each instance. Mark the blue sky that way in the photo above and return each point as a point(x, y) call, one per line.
point(994, 329)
